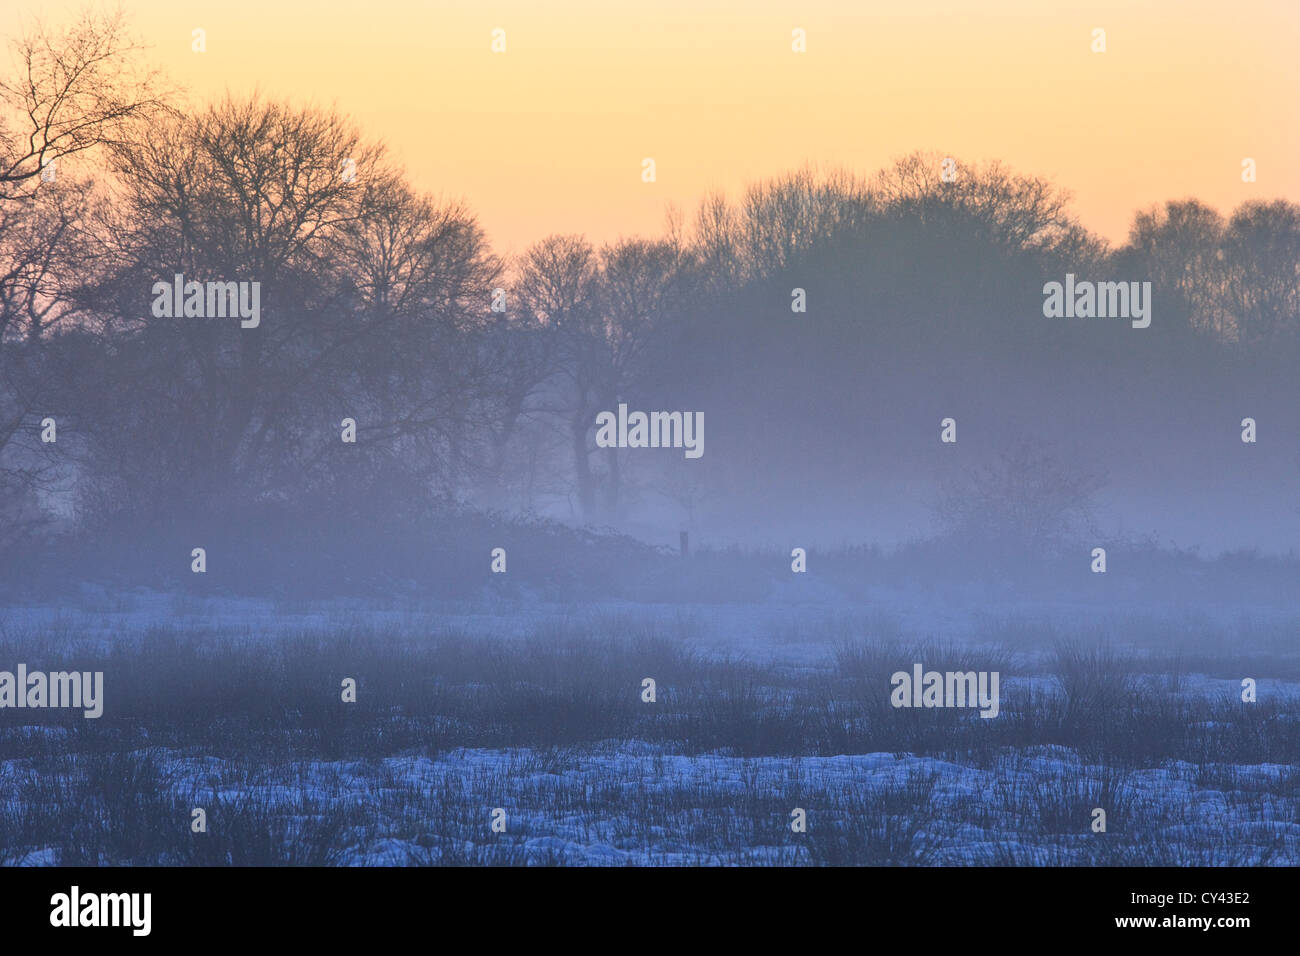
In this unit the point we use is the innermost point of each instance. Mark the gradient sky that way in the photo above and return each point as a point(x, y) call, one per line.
point(549, 136)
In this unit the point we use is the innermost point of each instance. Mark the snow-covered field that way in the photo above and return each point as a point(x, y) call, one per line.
point(532, 715)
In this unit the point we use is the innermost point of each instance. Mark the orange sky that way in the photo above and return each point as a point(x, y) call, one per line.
point(549, 136)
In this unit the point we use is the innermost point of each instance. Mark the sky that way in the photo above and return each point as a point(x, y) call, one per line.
point(549, 136)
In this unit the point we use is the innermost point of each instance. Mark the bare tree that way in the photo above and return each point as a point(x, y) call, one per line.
point(1027, 499)
point(77, 88)
point(556, 282)
point(986, 202)
point(424, 275)
point(636, 304)
point(247, 191)
point(1262, 249)
point(1180, 247)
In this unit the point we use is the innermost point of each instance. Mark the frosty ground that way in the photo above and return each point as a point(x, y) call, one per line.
point(233, 706)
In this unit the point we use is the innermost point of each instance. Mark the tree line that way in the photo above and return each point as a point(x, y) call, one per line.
point(476, 378)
